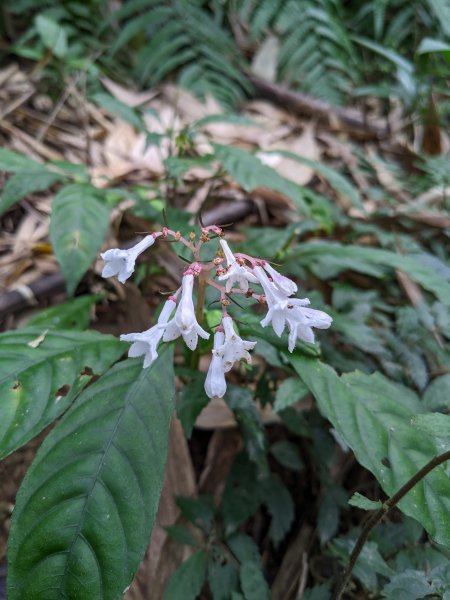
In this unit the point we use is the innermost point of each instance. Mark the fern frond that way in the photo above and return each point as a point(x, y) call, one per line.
point(182, 36)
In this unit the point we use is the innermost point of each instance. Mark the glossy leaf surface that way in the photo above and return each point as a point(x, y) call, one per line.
point(87, 505)
point(41, 373)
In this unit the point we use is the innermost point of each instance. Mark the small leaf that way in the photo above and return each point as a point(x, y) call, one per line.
point(253, 583)
point(287, 454)
point(410, 585)
point(24, 183)
point(437, 393)
point(187, 581)
point(223, 574)
point(78, 225)
point(280, 505)
point(289, 392)
point(199, 511)
point(190, 403)
point(31, 378)
point(86, 507)
point(53, 35)
point(122, 110)
point(364, 503)
point(243, 406)
point(181, 534)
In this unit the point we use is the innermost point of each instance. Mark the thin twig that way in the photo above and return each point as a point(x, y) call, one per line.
point(384, 510)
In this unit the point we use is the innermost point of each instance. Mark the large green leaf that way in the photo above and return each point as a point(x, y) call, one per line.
point(251, 173)
point(86, 507)
point(72, 314)
point(330, 258)
point(78, 226)
point(374, 415)
point(40, 375)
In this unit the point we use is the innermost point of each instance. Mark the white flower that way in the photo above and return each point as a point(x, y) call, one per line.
point(301, 321)
point(235, 272)
point(146, 342)
point(234, 348)
point(284, 284)
point(280, 305)
point(215, 383)
point(292, 311)
point(121, 262)
point(184, 322)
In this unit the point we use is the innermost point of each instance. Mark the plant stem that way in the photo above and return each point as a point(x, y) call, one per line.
point(379, 514)
point(202, 283)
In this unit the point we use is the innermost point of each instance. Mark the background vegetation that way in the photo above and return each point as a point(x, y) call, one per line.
point(318, 132)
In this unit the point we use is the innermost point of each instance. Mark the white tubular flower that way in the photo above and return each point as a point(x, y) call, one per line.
point(234, 348)
point(284, 284)
point(184, 322)
point(301, 321)
point(215, 383)
point(121, 262)
point(235, 272)
point(146, 342)
point(280, 306)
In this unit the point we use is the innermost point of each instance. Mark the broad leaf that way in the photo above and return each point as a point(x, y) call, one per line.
point(41, 373)
point(253, 583)
point(187, 581)
point(73, 314)
point(330, 258)
point(373, 415)
point(87, 505)
point(251, 173)
point(53, 35)
point(26, 182)
point(13, 162)
point(78, 226)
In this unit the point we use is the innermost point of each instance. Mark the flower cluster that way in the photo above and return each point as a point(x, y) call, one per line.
point(179, 316)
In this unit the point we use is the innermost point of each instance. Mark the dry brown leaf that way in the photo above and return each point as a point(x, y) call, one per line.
point(127, 96)
point(304, 145)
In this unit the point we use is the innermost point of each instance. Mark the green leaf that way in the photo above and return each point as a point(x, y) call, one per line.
point(181, 534)
point(287, 454)
point(250, 424)
point(12, 162)
point(73, 314)
point(41, 373)
point(251, 173)
point(436, 424)
point(199, 511)
point(24, 183)
point(289, 392)
point(318, 255)
point(437, 393)
point(430, 45)
point(122, 110)
point(190, 403)
point(187, 581)
point(280, 505)
point(222, 574)
point(53, 35)
point(337, 181)
point(318, 592)
point(253, 583)
point(364, 503)
point(78, 225)
point(410, 585)
point(86, 507)
point(373, 415)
